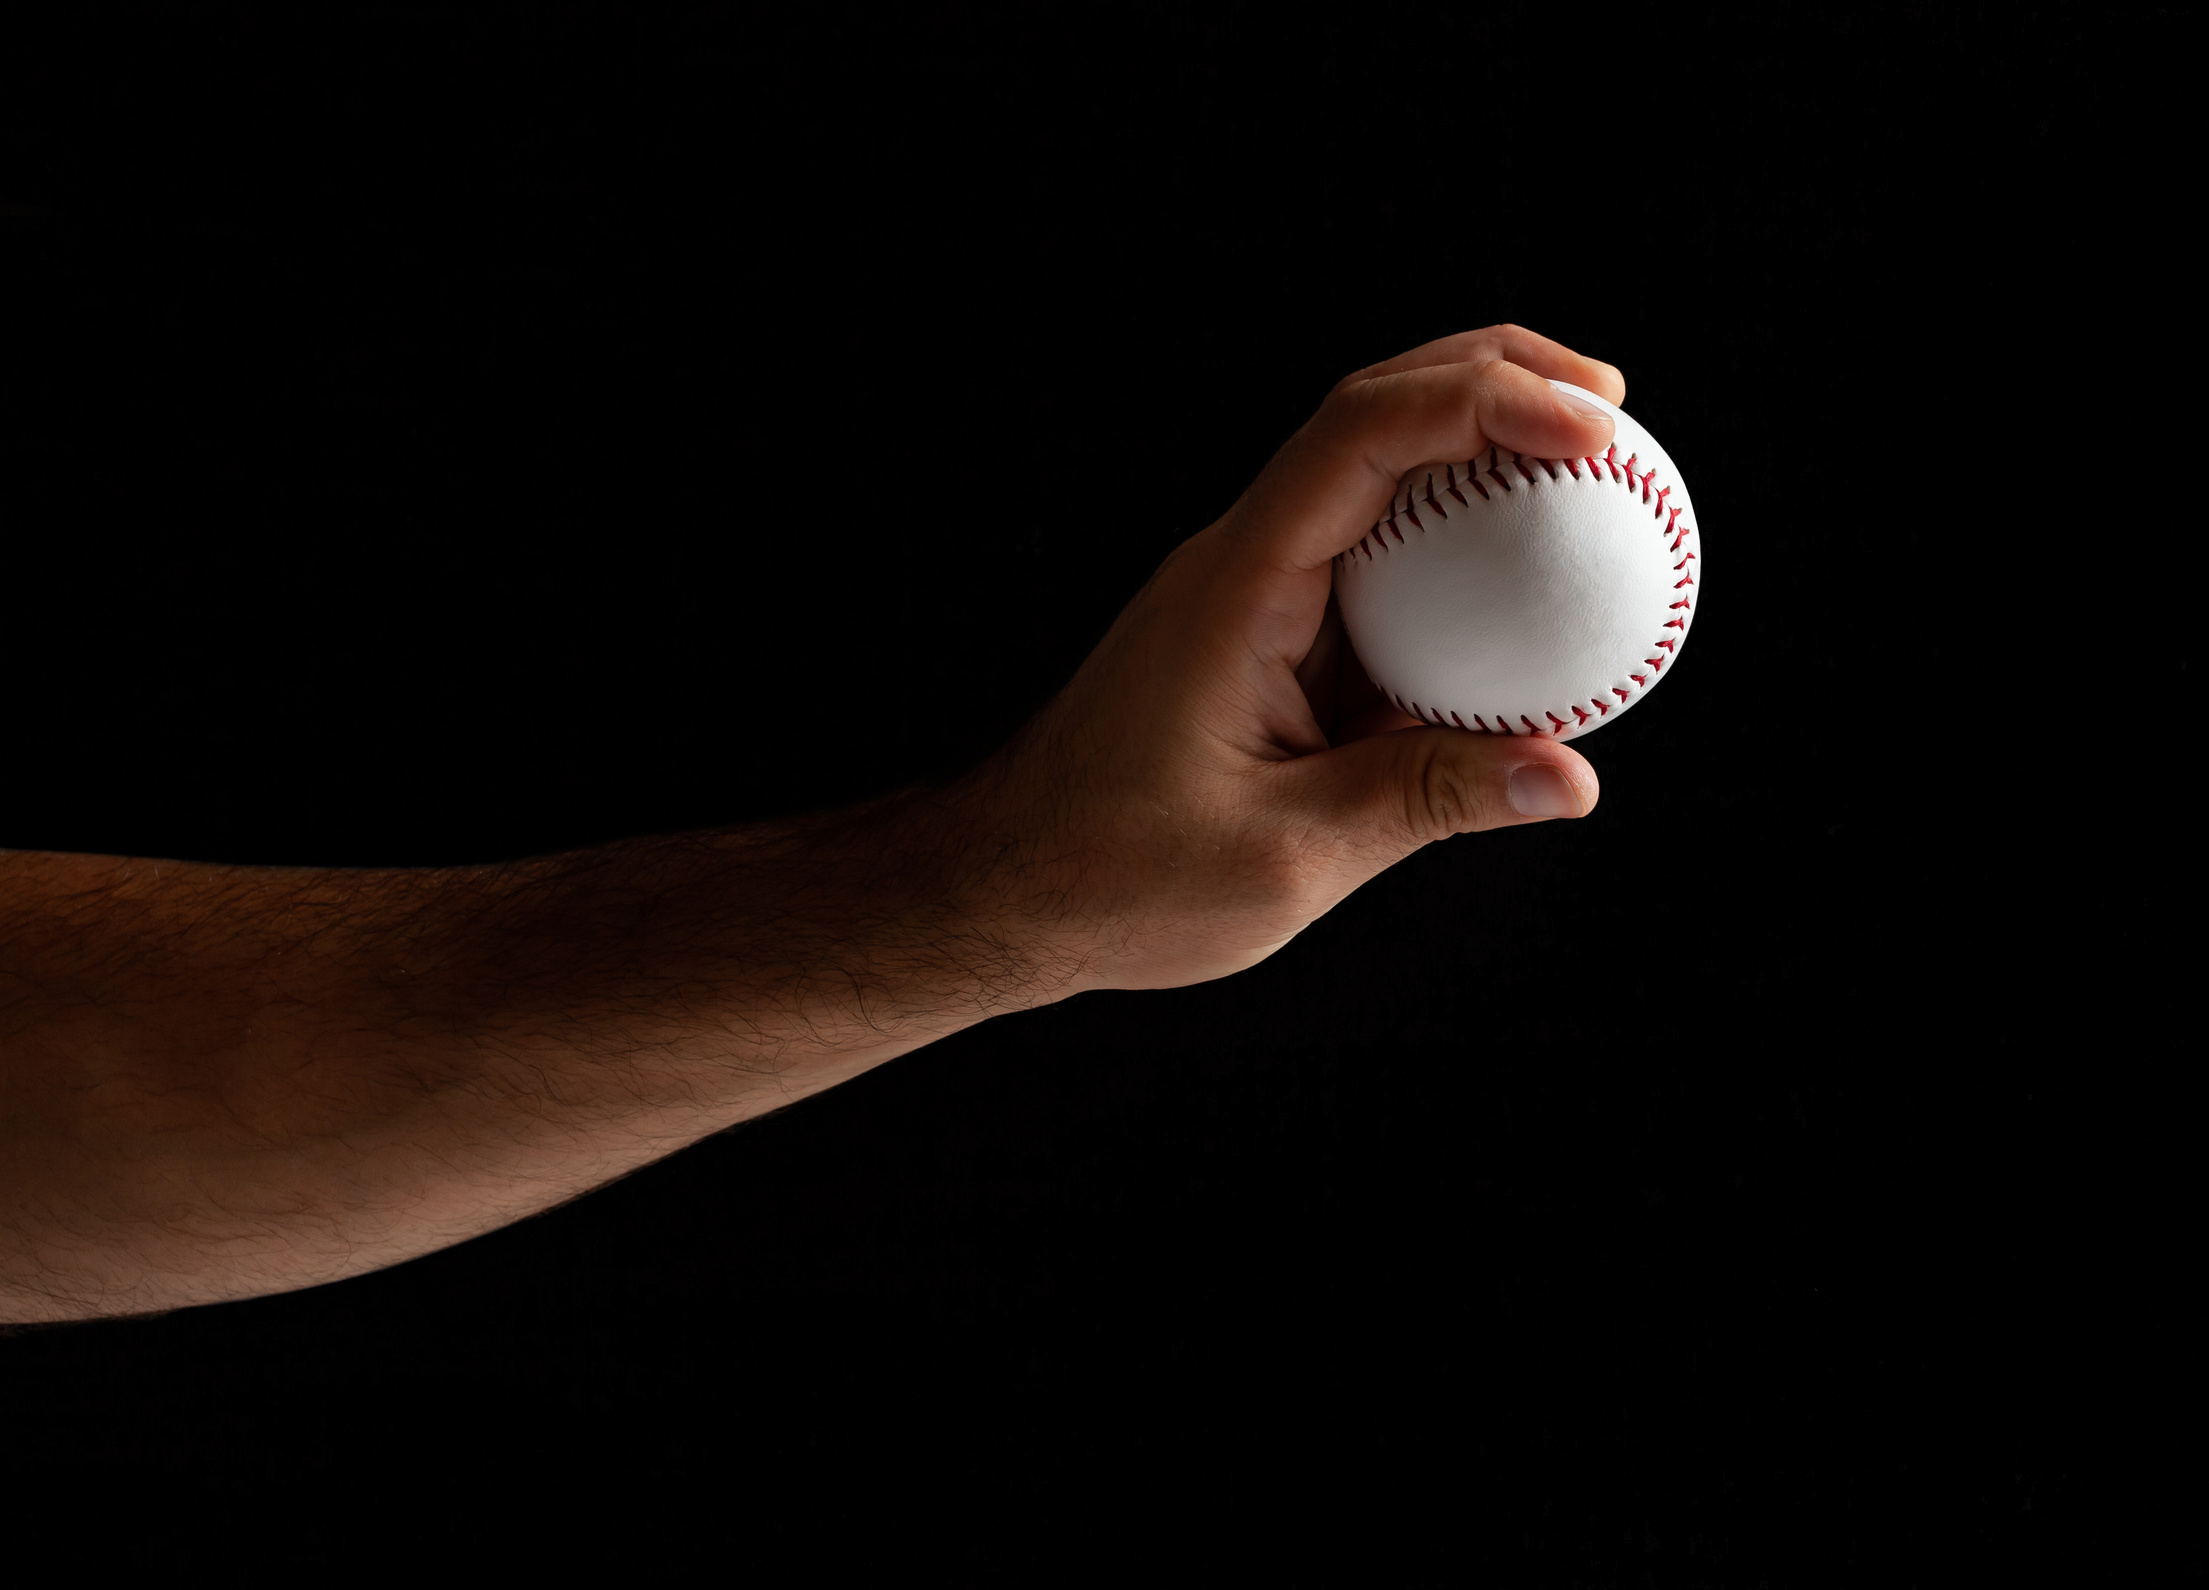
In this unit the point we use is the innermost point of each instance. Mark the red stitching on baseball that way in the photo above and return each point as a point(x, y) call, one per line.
point(1636, 480)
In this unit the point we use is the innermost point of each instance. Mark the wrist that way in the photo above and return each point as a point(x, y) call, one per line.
point(975, 878)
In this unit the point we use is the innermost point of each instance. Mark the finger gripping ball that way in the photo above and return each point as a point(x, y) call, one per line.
point(1515, 595)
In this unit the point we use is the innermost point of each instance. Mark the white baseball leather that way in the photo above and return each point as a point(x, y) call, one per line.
point(1512, 595)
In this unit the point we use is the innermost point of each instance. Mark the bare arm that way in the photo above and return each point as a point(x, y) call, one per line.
point(217, 1082)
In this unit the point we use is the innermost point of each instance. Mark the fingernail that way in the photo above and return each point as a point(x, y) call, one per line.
point(1581, 405)
point(1539, 791)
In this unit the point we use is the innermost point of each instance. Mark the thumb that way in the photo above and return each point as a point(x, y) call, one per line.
point(1394, 792)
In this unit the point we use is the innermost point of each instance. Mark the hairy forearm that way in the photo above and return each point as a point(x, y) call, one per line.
point(226, 1081)
point(222, 1081)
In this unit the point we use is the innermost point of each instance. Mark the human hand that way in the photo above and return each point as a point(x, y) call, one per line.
point(231, 1080)
point(1220, 772)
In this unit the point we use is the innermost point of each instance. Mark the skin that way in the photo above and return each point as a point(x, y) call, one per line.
point(220, 1082)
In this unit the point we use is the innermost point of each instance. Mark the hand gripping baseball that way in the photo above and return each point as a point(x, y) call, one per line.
point(225, 1081)
point(1220, 772)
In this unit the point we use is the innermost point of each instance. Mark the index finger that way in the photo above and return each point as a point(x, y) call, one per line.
point(1526, 349)
point(1325, 488)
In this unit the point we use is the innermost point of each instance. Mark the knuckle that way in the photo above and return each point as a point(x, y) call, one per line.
point(1281, 874)
point(1351, 401)
point(1353, 418)
point(1446, 797)
point(1279, 860)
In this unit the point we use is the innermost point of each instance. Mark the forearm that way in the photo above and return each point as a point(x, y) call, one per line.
point(222, 1081)
point(226, 1081)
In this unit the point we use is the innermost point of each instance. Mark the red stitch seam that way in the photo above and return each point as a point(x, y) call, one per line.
point(1621, 474)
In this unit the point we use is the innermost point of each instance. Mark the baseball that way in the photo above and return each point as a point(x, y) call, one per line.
point(1515, 595)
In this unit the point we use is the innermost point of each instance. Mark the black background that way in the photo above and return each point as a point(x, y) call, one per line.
point(425, 443)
